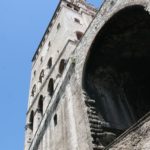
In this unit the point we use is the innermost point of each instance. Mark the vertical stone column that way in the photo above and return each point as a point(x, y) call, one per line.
point(72, 123)
point(40, 147)
point(48, 138)
point(45, 141)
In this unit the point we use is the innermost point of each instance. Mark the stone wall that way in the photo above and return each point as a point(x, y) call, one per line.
point(108, 9)
point(78, 126)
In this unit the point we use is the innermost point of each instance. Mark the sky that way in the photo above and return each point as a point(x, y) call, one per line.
point(22, 25)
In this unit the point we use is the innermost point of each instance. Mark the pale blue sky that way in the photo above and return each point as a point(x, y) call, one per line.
point(22, 25)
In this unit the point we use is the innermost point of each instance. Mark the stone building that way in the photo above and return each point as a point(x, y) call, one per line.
point(90, 79)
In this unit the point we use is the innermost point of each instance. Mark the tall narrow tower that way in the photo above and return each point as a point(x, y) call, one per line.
point(51, 122)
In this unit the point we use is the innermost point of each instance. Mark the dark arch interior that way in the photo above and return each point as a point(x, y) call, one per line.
point(41, 76)
point(55, 119)
point(31, 120)
point(79, 35)
point(51, 87)
point(62, 66)
point(49, 64)
point(40, 104)
point(33, 90)
point(116, 74)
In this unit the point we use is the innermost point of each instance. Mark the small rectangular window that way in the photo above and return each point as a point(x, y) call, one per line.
point(55, 119)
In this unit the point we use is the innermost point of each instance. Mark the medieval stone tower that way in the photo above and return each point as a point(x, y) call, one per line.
point(90, 82)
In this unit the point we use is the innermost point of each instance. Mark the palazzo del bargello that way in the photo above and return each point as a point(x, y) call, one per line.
point(90, 79)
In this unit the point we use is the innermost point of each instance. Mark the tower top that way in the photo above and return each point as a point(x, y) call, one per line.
point(76, 1)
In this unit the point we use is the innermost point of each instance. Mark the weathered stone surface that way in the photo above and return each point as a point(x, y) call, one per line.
point(72, 118)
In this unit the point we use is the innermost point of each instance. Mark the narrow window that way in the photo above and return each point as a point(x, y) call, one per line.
point(33, 90)
point(69, 5)
point(31, 120)
point(77, 20)
point(76, 8)
point(41, 60)
point(62, 66)
point(34, 73)
point(49, 64)
point(48, 31)
point(40, 104)
point(49, 44)
point(41, 76)
point(79, 35)
point(58, 26)
point(51, 87)
point(55, 119)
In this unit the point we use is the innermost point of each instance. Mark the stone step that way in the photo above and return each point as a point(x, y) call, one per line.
point(97, 135)
point(94, 121)
point(106, 136)
point(90, 101)
point(92, 108)
point(100, 147)
point(95, 126)
point(97, 130)
point(89, 111)
point(93, 116)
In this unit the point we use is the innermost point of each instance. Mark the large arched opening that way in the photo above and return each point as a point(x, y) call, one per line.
point(116, 73)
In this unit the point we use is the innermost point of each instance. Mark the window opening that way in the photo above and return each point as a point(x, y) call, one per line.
point(41, 76)
point(34, 73)
point(76, 8)
point(58, 26)
point(51, 87)
point(40, 104)
point(55, 119)
point(79, 35)
point(31, 120)
point(49, 64)
point(49, 44)
point(62, 66)
point(41, 60)
point(33, 90)
point(69, 5)
point(77, 20)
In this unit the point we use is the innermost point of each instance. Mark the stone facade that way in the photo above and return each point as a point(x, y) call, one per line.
point(73, 78)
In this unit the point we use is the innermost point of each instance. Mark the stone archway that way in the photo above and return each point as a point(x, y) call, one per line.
point(116, 73)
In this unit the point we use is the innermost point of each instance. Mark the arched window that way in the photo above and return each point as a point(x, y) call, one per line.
point(41, 60)
point(51, 87)
point(79, 35)
point(34, 73)
point(49, 64)
point(31, 120)
point(49, 44)
point(69, 5)
point(33, 90)
point(41, 76)
point(77, 20)
point(76, 8)
point(55, 119)
point(58, 26)
point(40, 104)
point(62, 66)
